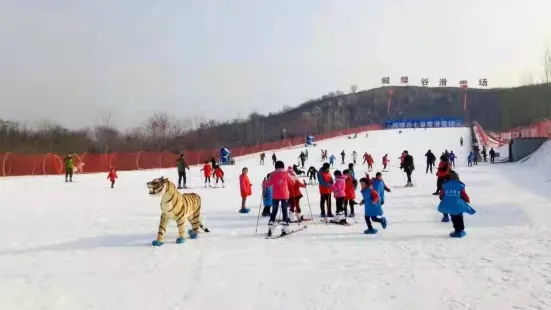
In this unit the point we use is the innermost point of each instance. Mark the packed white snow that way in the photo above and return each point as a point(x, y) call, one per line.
point(87, 246)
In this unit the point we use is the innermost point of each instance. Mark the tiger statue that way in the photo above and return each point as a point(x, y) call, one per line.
point(176, 206)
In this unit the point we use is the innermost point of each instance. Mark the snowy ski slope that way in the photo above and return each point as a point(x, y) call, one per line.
point(86, 246)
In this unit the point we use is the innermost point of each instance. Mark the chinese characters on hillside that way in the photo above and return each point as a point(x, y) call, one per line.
point(442, 82)
point(423, 123)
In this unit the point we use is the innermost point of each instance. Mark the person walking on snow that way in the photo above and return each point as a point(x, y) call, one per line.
point(267, 196)
point(408, 167)
point(365, 157)
point(442, 174)
point(325, 182)
point(302, 158)
point(280, 181)
point(492, 156)
point(354, 157)
point(332, 160)
point(112, 176)
point(339, 190)
point(385, 162)
point(262, 156)
point(182, 166)
point(69, 166)
point(245, 187)
point(372, 207)
point(430, 161)
point(342, 157)
point(470, 159)
point(350, 191)
point(455, 201)
point(274, 159)
point(207, 172)
point(452, 159)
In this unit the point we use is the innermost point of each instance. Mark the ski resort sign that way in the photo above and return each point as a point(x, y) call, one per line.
point(424, 123)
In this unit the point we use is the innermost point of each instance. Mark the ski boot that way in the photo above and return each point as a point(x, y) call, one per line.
point(370, 231)
point(458, 234)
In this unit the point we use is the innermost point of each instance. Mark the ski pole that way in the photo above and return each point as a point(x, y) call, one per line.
point(258, 217)
point(309, 205)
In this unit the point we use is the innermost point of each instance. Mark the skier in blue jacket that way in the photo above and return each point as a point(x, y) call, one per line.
point(455, 201)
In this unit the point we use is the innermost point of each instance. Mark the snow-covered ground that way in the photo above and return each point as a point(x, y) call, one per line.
point(86, 246)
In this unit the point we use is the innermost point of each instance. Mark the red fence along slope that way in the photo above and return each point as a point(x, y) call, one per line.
point(44, 164)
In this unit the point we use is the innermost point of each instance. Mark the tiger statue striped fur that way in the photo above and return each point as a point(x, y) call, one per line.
point(176, 206)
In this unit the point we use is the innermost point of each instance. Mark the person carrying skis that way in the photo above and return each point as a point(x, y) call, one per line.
point(372, 207)
point(280, 181)
point(182, 166)
point(246, 190)
point(112, 176)
point(295, 214)
point(342, 156)
point(325, 182)
point(408, 167)
point(492, 156)
point(442, 173)
point(455, 201)
point(430, 160)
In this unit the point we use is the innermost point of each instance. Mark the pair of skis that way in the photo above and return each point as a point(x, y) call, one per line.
point(285, 234)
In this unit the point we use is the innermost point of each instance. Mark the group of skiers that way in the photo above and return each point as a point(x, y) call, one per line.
point(282, 190)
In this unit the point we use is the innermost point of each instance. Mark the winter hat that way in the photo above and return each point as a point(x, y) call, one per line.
point(326, 166)
point(337, 173)
point(290, 170)
point(279, 165)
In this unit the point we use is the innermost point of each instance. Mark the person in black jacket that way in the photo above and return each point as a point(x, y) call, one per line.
point(492, 155)
point(408, 167)
point(430, 160)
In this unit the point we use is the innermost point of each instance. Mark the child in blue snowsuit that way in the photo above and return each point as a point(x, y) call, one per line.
point(372, 206)
point(267, 197)
point(380, 186)
point(455, 201)
point(470, 159)
point(332, 160)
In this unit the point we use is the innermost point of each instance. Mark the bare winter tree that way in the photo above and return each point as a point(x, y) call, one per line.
point(547, 67)
point(353, 88)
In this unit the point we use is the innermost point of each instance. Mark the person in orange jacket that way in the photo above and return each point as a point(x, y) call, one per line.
point(325, 182)
point(112, 176)
point(246, 189)
point(442, 173)
point(207, 172)
point(294, 197)
point(369, 162)
point(219, 173)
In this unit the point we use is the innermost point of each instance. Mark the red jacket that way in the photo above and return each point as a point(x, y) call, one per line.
point(349, 189)
point(294, 190)
point(207, 170)
point(112, 175)
point(218, 172)
point(443, 169)
point(385, 160)
point(327, 178)
point(280, 180)
point(245, 185)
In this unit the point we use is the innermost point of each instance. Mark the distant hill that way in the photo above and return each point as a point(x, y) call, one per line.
point(495, 109)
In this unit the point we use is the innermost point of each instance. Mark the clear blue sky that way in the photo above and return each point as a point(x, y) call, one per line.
point(70, 61)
